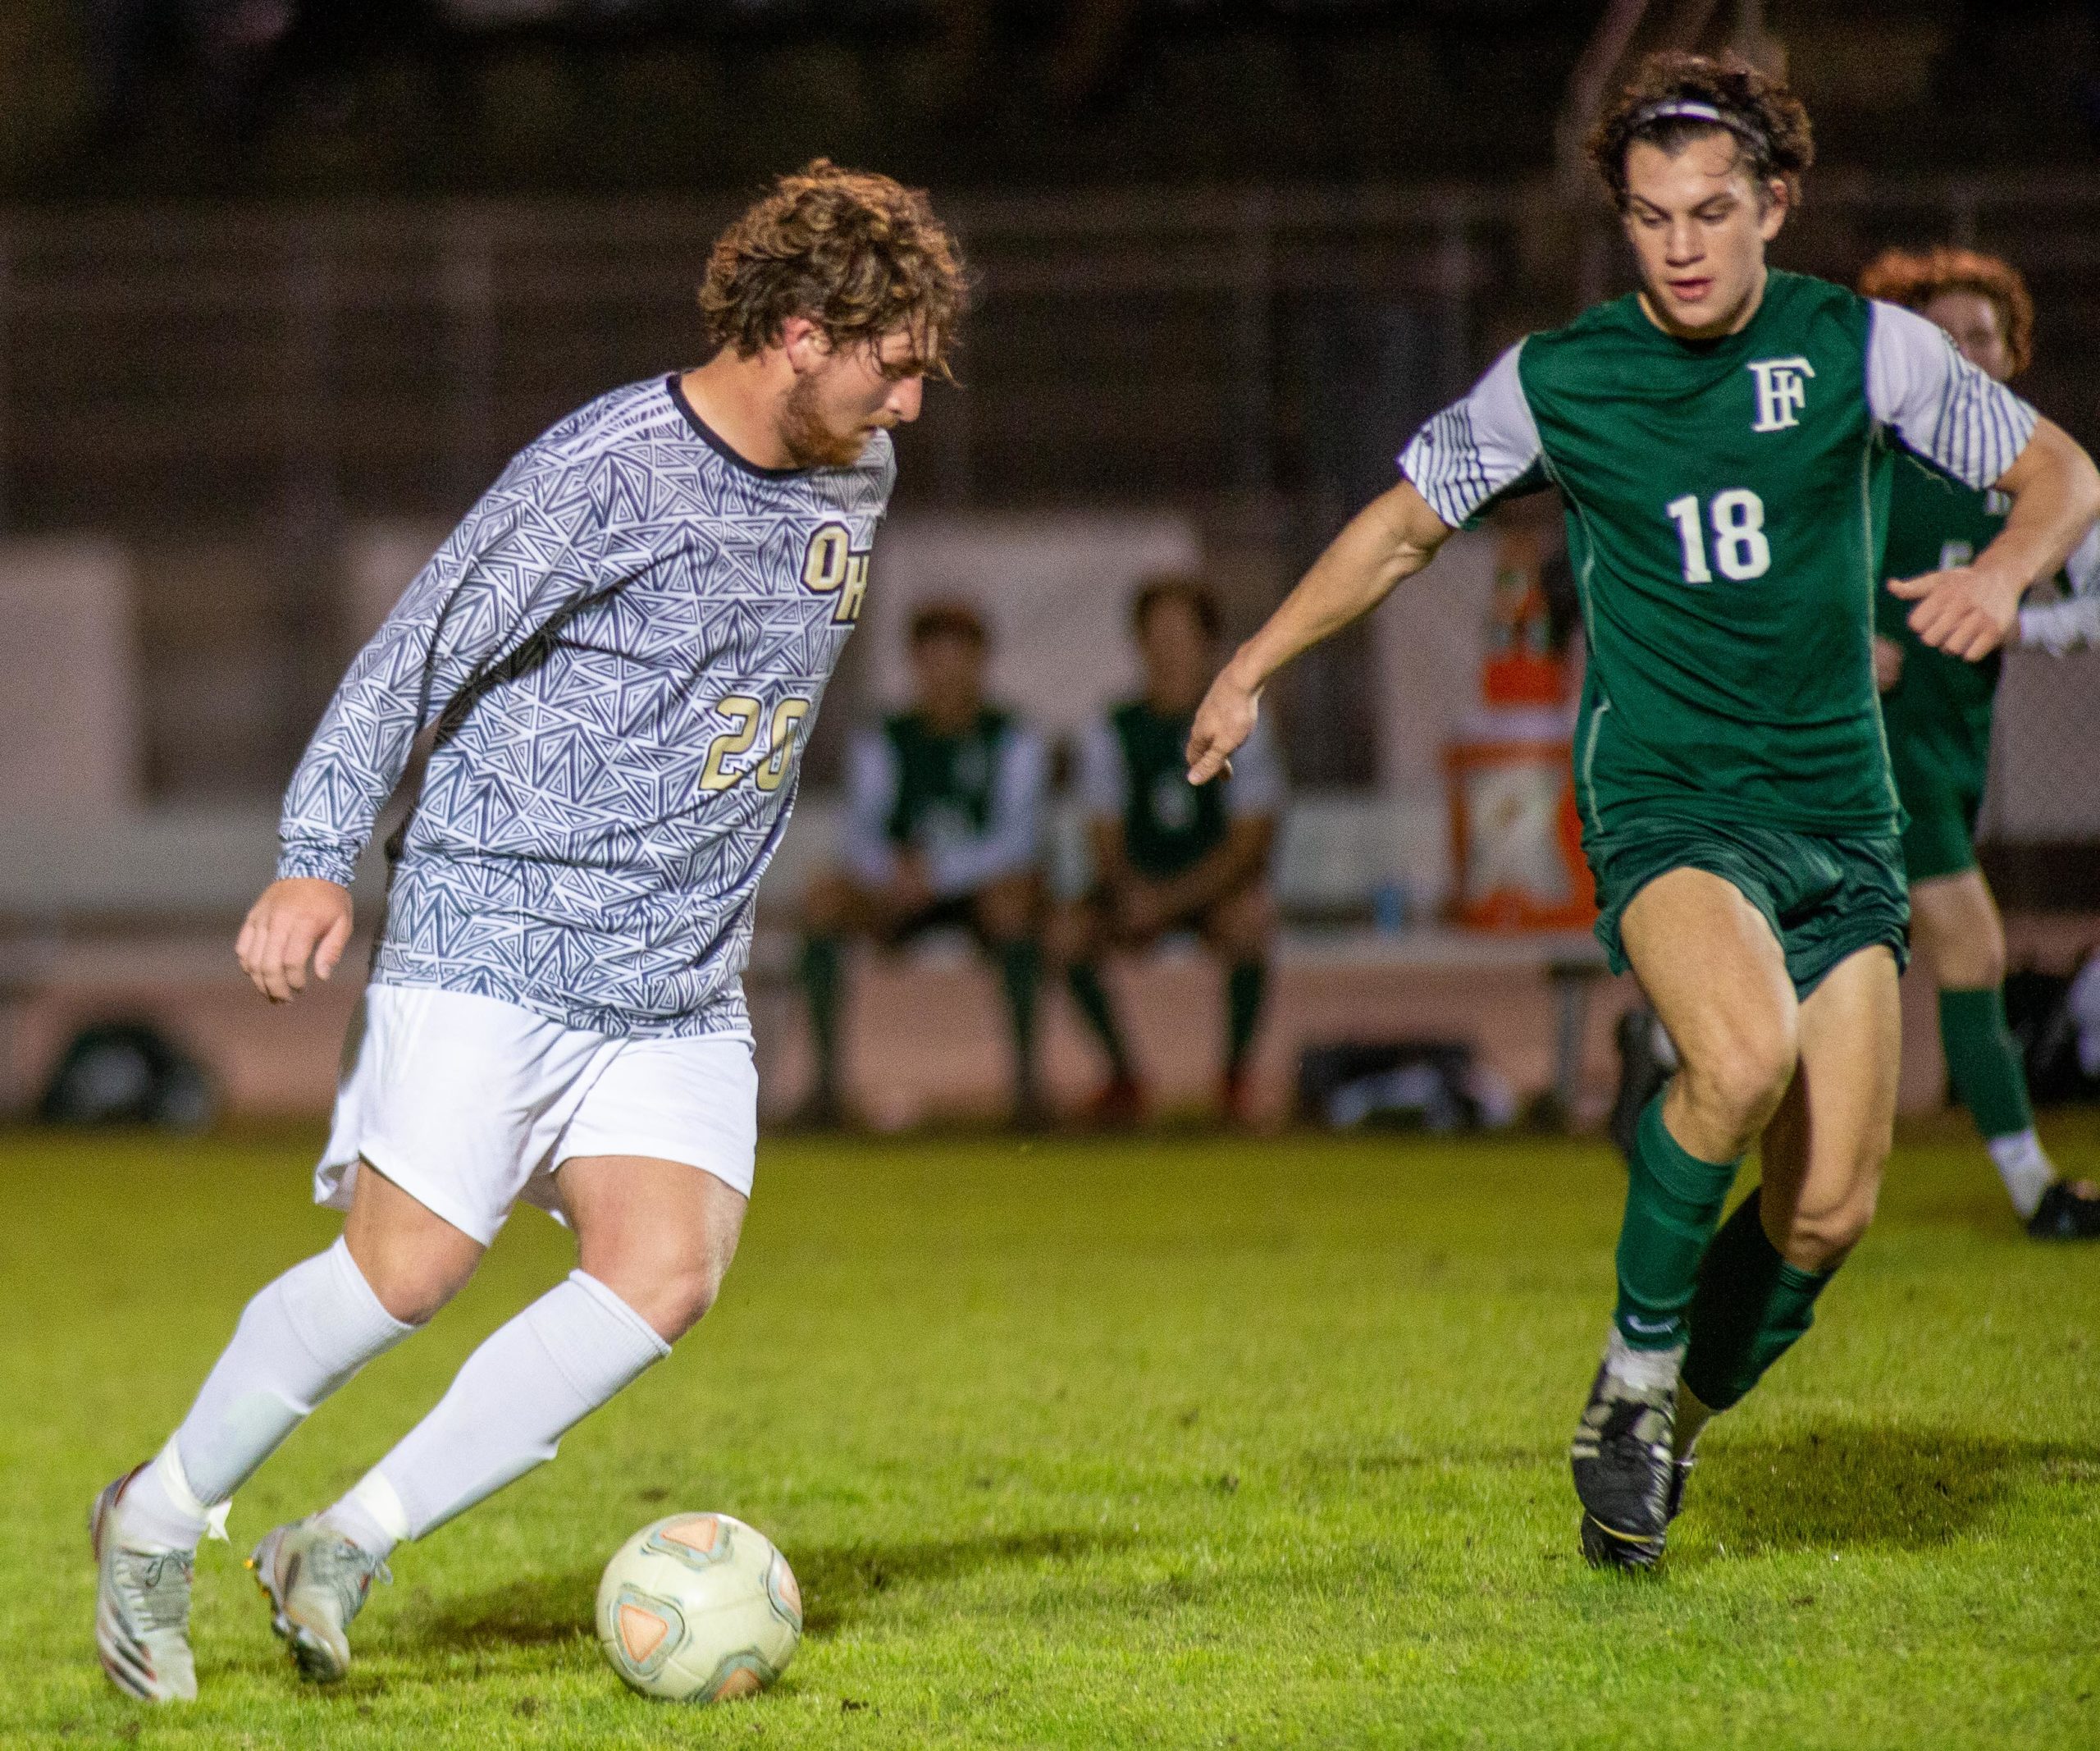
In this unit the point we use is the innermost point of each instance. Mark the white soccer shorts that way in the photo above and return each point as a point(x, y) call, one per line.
point(468, 1103)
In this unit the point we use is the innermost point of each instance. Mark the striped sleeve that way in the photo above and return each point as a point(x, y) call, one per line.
point(1476, 448)
point(1942, 407)
point(526, 556)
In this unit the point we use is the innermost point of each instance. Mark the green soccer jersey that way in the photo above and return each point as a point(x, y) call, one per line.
point(1726, 504)
point(943, 787)
point(1134, 767)
point(1939, 702)
point(970, 803)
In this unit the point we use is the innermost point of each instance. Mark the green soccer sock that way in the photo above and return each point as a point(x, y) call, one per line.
point(1672, 1201)
point(1245, 985)
point(1083, 980)
point(822, 982)
point(1750, 1309)
point(1021, 972)
point(1983, 1061)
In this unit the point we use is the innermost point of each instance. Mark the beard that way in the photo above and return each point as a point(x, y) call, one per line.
point(810, 440)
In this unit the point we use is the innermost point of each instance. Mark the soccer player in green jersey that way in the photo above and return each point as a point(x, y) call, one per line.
point(1938, 710)
point(1723, 439)
point(944, 826)
point(1168, 856)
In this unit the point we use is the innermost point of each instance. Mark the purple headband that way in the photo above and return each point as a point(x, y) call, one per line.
point(1696, 109)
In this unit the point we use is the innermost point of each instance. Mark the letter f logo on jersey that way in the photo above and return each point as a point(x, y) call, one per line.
point(1782, 391)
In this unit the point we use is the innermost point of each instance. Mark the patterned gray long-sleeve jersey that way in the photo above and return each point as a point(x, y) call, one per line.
point(622, 647)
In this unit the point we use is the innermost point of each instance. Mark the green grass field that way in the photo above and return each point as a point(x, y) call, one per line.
point(1176, 1442)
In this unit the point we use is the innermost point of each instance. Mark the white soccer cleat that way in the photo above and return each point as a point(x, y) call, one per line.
point(142, 1608)
point(316, 1580)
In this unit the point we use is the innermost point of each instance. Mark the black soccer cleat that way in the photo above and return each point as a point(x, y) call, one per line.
point(2065, 1213)
point(1624, 1473)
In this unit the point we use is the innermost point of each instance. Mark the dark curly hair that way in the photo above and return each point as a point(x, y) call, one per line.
point(859, 255)
point(1915, 278)
point(1675, 97)
point(946, 620)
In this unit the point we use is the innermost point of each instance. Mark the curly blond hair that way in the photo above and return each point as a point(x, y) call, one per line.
point(859, 254)
point(1914, 277)
point(1769, 123)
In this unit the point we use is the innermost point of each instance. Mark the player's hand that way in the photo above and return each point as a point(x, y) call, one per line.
point(1224, 720)
point(1888, 663)
point(296, 920)
point(1965, 611)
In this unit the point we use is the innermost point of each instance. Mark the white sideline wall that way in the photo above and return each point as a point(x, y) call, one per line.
point(69, 681)
point(1054, 587)
point(380, 560)
point(1427, 640)
point(2045, 771)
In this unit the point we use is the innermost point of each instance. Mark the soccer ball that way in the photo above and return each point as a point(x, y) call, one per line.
point(699, 1608)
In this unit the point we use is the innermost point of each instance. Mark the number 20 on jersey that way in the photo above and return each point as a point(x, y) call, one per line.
point(770, 770)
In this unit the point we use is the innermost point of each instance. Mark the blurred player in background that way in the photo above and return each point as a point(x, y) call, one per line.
point(1168, 856)
point(943, 826)
point(1938, 710)
point(1721, 439)
point(621, 649)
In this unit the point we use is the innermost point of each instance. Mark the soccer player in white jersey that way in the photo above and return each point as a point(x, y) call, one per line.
point(621, 650)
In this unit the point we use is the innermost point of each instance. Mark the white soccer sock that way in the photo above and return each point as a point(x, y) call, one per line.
point(371, 1517)
point(516, 1396)
point(2024, 1166)
point(158, 1510)
point(299, 1340)
point(1643, 1370)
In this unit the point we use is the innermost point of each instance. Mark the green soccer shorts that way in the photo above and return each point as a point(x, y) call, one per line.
point(1942, 796)
point(1826, 896)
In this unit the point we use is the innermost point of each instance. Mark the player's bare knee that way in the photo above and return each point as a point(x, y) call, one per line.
point(413, 1291)
point(1981, 960)
point(1835, 1206)
point(670, 1275)
point(1820, 1235)
point(1075, 933)
point(414, 1260)
point(1244, 923)
point(1005, 910)
point(678, 1297)
point(1738, 1080)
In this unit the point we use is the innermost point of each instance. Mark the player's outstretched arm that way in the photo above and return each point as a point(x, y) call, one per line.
point(294, 920)
point(1392, 537)
point(1970, 610)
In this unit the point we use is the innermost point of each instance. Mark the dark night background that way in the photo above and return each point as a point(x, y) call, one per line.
point(107, 99)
